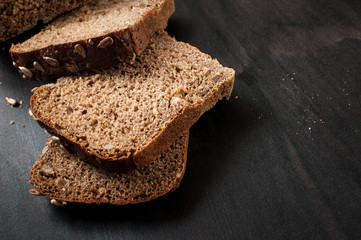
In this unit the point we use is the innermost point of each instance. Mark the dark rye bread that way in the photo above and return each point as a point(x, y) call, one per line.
point(100, 34)
point(61, 175)
point(125, 117)
point(17, 16)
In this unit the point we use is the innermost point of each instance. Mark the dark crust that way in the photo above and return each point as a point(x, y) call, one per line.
point(127, 44)
point(153, 150)
point(120, 51)
point(171, 188)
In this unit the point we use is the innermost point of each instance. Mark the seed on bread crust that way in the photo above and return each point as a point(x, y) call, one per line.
point(58, 203)
point(38, 66)
point(26, 72)
point(80, 50)
point(51, 61)
point(72, 67)
point(106, 42)
point(90, 42)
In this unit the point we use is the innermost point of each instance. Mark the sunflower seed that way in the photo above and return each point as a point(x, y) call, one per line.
point(55, 138)
point(71, 67)
point(46, 169)
point(80, 50)
point(35, 192)
point(11, 122)
point(106, 42)
point(32, 115)
point(90, 42)
point(14, 64)
point(26, 72)
point(51, 61)
point(38, 66)
point(11, 101)
point(58, 203)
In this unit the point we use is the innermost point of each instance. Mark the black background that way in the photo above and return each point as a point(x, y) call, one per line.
point(279, 160)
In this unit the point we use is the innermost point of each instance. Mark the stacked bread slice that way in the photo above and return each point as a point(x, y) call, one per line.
point(17, 16)
point(120, 133)
point(64, 177)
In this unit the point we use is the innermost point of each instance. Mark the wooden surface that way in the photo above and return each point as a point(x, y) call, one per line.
point(280, 160)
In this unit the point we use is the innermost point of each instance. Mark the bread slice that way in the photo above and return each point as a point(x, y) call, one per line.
point(100, 34)
point(18, 16)
point(125, 117)
point(61, 175)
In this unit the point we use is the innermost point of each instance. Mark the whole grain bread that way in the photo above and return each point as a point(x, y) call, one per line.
point(100, 34)
point(62, 176)
point(17, 16)
point(125, 117)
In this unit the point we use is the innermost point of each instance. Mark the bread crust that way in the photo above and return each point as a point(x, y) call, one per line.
point(127, 43)
point(170, 188)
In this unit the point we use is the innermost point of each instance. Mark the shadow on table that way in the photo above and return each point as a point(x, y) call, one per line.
point(211, 139)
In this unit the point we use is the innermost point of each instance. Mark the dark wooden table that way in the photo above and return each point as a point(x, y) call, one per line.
point(280, 160)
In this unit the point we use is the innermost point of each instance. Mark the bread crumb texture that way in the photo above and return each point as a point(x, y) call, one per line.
point(17, 16)
point(94, 19)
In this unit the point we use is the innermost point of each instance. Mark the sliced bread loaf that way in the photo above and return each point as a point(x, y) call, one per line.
point(125, 117)
point(62, 176)
point(100, 34)
point(17, 16)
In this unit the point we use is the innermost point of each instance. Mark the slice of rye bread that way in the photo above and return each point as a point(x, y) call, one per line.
point(100, 34)
point(125, 117)
point(61, 175)
point(17, 16)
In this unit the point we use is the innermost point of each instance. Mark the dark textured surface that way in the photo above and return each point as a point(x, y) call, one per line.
point(283, 161)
